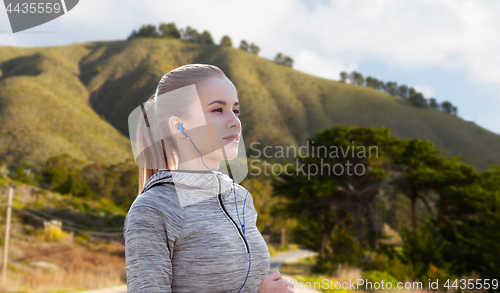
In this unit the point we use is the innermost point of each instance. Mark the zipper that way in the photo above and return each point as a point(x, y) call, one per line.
point(227, 214)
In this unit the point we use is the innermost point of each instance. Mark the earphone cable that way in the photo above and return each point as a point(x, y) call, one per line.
point(181, 128)
point(243, 225)
point(244, 203)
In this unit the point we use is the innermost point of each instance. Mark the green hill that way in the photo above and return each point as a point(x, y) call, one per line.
point(53, 100)
point(44, 109)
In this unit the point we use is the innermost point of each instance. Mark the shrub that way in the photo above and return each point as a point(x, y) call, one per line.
point(54, 233)
point(378, 276)
point(390, 264)
point(83, 238)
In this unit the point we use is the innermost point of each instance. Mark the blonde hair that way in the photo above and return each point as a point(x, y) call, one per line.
point(180, 77)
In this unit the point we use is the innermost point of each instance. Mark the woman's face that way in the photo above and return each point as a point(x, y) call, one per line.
point(220, 107)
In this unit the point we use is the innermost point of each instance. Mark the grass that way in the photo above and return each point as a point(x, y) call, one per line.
point(277, 249)
point(300, 271)
point(64, 266)
point(52, 101)
point(50, 259)
point(68, 281)
point(44, 110)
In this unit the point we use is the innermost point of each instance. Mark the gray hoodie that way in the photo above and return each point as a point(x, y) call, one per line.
point(182, 234)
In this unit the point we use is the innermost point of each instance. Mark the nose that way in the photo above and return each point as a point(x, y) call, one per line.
point(234, 123)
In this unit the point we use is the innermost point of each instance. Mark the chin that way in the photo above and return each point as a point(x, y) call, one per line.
point(231, 152)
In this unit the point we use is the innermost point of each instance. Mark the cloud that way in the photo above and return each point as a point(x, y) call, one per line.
point(407, 34)
point(322, 37)
point(309, 61)
point(426, 90)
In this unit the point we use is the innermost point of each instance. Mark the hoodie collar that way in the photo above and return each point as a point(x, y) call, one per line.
point(192, 185)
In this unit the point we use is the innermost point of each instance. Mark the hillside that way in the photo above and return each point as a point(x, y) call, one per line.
point(52, 101)
point(44, 109)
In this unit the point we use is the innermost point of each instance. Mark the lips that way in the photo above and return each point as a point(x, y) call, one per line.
point(233, 137)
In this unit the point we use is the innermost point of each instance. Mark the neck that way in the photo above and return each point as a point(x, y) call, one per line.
point(189, 158)
point(197, 164)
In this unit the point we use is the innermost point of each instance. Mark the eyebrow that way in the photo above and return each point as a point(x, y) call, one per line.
point(222, 102)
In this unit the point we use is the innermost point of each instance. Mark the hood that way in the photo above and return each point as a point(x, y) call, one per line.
point(192, 186)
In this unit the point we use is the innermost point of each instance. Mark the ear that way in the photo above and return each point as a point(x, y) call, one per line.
point(172, 123)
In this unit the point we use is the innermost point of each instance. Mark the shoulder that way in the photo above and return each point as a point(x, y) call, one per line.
point(160, 197)
point(159, 204)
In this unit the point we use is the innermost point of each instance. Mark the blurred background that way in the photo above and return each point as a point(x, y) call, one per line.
point(420, 80)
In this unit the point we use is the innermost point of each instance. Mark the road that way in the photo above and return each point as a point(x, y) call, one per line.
point(276, 262)
point(290, 256)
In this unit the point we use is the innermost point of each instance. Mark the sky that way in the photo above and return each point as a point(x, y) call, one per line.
point(446, 49)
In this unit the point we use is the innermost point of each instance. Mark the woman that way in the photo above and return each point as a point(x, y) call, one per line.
point(183, 233)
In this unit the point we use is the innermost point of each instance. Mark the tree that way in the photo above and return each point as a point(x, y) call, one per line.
point(411, 92)
point(334, 198)
point(469, 219)
point(418, 100)
point(226, 41)
point(433, 104)
point(447, 107)
point(148, 31)
point(380, 85)
point(424, 169)
point(254, 49)
point(206, 38)
point(190, 35)
point(391, 88)
point(462, 237)
point(145, 31)
point(403, 91)
point(415, 175)
point(169, 30)
point(244, 45)
point(356, 78)
point(133, 35)
point(288, 61)
point(283, 59)
point(279, 58)
point(371, 82)
point(343, 76)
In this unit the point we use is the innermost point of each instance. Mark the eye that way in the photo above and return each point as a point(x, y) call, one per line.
point(237, 111)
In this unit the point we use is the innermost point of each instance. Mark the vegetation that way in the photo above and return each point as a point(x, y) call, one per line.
point(190, 34)
point(284, 106)
point(54, 233)
point(402, 91)
point(40, 120)
point(226, 41)
point(283, 59)
point(339, 215)
point(169, 30)
point(66, 175)
point(71, 141)
point(252, 48)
